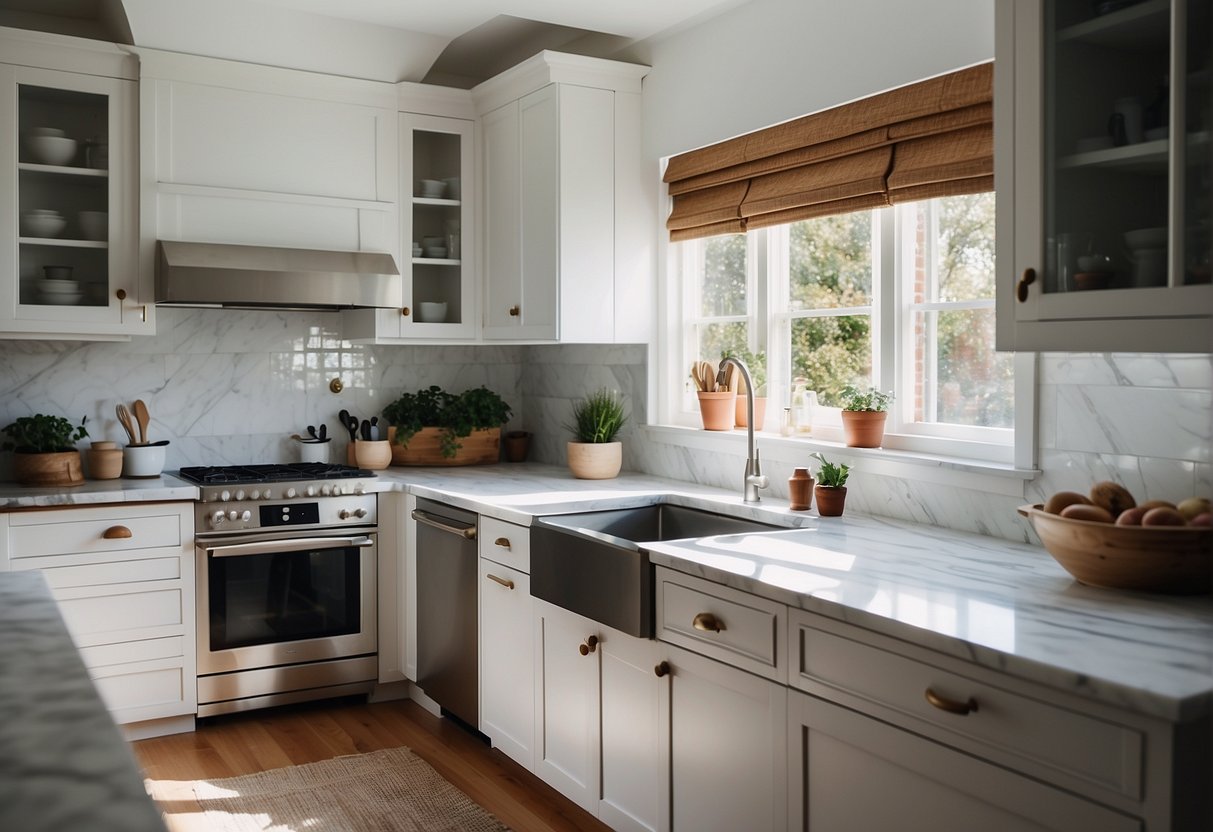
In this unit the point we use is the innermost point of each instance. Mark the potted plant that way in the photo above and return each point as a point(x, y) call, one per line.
point(863, 416)
point(44, 450)
point(427, 426)
point(757, 364)
point(597, 418)
point(831, 488)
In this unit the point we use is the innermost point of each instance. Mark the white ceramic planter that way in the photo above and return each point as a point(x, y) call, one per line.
point(595, 461)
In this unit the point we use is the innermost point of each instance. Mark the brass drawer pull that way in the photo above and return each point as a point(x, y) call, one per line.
point(116, 533)
point(505, 582)
point(708, 623)
point(952, 706)
point(503, 542)
point(662, 669)
point(1021, 291)
point(514, 311)
point(588, 646)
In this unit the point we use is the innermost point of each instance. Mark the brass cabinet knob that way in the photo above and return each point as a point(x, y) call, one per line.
point(406, 311)
point(505, 582)
point(503, 542)
point(1021, 291)
point(120, 294)
point(952, 706)
point(116, 533)
point(588, 646)
point(708, 623)
point(662, 669)
point(515, 311)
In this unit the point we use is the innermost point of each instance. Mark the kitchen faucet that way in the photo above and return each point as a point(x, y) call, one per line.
point(754, 479)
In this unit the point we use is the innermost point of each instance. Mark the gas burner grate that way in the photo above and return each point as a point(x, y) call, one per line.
point(224, 474)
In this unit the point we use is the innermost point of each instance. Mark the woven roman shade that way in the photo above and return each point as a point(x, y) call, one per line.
point(932, 138)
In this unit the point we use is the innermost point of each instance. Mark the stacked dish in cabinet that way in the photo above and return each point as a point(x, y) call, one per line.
point(63, 196)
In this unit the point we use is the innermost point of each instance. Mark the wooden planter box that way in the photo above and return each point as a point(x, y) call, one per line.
point(482, 447)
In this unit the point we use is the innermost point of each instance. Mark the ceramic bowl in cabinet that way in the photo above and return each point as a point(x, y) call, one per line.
point(42, 223)
point(433, 188)
point(60, 276)
point(94, 225)
point(60, 298)
point(51, 150)
point(1146, 238)
point(431, 313)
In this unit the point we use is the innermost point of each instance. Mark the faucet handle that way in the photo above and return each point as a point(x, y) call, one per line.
point(755, 476)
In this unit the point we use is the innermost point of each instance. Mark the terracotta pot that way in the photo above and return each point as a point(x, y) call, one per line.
point(61, 468)
point(374, 455)
point(719, 410)
point(760, 411)
point(800, 490)
point(517, 445)
point(863, 428)
point(595, 460)
point(830, 500)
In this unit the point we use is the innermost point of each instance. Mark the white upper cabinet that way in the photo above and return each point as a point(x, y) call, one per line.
point(569, 231)
point(69, 227)
point(1103, 175)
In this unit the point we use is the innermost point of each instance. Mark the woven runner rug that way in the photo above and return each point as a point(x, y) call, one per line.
point(392, 790)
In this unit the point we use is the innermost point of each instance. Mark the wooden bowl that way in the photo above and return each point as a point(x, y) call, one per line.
point(1171, 559)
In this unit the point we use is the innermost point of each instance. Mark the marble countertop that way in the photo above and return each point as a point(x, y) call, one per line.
point(63, 764)
point(1002, 605)
point(96, 492)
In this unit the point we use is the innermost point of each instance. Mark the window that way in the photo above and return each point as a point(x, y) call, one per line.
point(898, 298)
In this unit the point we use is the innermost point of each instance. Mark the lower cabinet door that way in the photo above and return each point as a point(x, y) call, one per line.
point(727, 754)
point(630, 799)
point(507, 674)
point(852, 772)
point(566, 703)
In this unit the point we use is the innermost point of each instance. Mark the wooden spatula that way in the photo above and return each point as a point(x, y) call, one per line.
point(143, 418)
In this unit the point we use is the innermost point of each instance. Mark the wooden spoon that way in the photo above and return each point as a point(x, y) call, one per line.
point(144, 418)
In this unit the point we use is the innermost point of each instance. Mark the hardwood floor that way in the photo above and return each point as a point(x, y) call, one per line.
point(259, 740)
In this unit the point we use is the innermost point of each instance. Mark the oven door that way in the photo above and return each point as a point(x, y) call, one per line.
point(266, 601)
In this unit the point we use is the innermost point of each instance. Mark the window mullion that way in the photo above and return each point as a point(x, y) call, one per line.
point(884, 316)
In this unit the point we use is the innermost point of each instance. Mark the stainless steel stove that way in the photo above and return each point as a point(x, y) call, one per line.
point(286, 566)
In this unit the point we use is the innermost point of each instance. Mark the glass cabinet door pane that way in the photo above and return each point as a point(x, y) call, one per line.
point(1198, 162)
point(63, 197)
point(437, 244)
point(1106, 148)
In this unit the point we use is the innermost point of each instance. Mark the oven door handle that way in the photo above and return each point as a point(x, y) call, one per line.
point(269, 547)
point(466, 532)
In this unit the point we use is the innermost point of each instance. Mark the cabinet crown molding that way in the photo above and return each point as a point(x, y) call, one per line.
point(65, 53)
point(549, 67)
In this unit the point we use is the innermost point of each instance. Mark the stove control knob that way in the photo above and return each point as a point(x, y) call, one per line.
point(225, 495)
point(233, 515)
point(311, 491)
point(290, 493)
point(360, 513)
point(239, 493)
point(326, 490)
point(217, 518)
point(255, 494)
point(267, 495)
point(246, 516)
point(358, 488)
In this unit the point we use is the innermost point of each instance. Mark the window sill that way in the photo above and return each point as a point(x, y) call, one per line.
point(991, 477)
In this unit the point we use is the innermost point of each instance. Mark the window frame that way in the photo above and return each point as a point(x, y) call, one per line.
point(769, 318)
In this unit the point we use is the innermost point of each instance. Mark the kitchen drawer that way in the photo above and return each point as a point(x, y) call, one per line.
point(100, 615)
point(145, 690)
point(110, 573)
point(84, 530)
point(750, 628)
point(125, 652)
point(506, 543)
point(1012, 728)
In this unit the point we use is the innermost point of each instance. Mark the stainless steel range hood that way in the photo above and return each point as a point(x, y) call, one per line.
point(263, 277)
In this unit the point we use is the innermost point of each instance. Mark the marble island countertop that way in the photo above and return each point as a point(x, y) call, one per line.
point(63, 764)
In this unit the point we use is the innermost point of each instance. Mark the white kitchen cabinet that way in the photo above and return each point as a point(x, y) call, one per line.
point(597, 738)
point(849, 771)
point(92, 191)
point(725, 765)
point(507, 663)
point(567, 255)
point(124, 580)
point(1103, 170)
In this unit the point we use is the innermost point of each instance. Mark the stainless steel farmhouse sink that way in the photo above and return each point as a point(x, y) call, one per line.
point(595, 564)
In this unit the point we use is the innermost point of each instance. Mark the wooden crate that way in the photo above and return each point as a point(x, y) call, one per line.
point(482, 447)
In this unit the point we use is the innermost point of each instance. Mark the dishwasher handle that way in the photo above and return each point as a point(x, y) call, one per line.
point(466, 532)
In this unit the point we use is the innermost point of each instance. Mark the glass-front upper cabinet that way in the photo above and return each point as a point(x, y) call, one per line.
point(69, 233)
point(1103, 178)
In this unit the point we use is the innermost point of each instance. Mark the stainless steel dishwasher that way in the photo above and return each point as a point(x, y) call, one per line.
point(447, 658)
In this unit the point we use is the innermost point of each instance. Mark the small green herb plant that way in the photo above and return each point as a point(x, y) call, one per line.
point(871, 399)
point(39, 434)
point(831, 475)
point(457, 414)
point(598, 417)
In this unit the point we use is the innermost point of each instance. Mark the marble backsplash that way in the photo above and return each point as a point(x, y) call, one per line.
point(231, 386)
